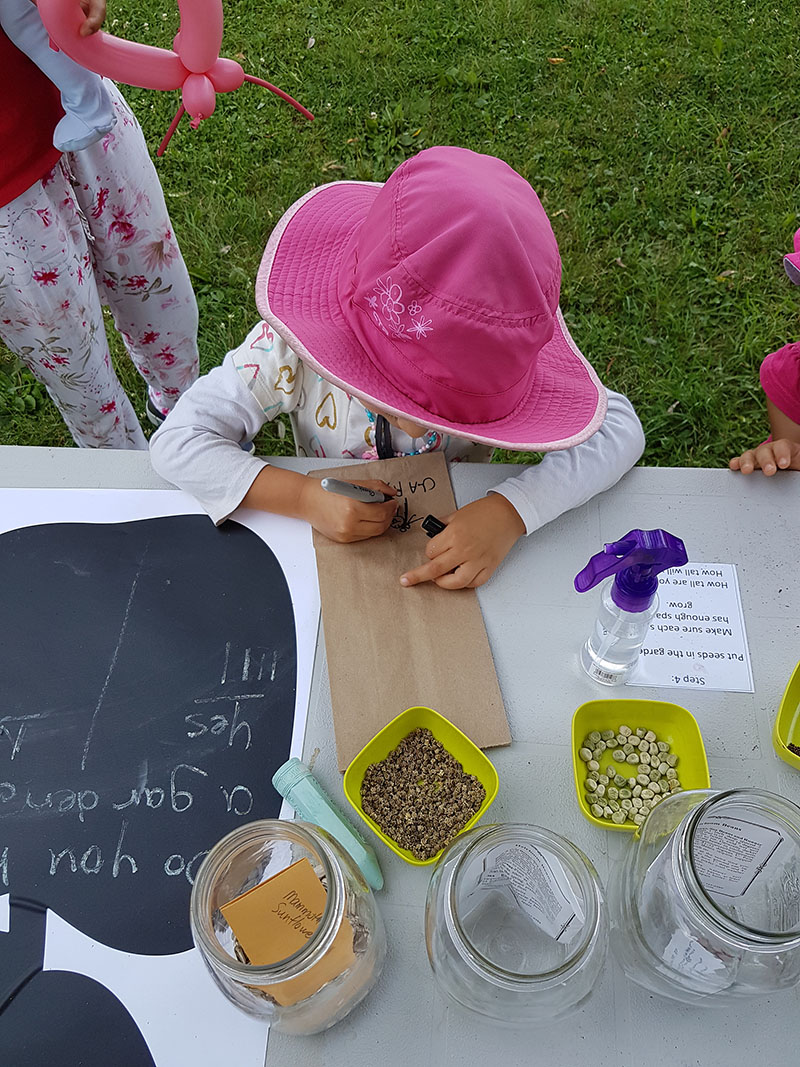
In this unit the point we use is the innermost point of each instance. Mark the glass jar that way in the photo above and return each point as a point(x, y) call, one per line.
point(515, 924)
point(705, 904)
point(253, 854)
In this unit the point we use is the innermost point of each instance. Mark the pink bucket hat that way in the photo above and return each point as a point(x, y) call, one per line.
point(435, 297)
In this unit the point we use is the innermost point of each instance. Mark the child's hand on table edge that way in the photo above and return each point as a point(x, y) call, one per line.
point(478, 538)
point(344, 520)
point(770, 457)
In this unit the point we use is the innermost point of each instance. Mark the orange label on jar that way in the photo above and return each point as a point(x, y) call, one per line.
point(275, 919)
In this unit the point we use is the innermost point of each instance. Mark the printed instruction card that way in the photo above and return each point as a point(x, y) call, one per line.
point(697, 639)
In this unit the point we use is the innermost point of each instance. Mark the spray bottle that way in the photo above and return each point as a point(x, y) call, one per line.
point(628, 602)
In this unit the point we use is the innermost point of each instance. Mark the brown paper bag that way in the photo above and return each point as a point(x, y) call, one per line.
point(390, 648)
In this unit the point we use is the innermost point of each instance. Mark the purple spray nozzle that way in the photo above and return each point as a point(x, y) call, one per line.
point(636, 560)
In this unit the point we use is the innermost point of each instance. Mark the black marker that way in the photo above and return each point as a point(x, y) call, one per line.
point(355, 492)
point(432, 526)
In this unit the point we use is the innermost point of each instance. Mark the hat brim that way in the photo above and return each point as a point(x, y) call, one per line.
point(297, 294)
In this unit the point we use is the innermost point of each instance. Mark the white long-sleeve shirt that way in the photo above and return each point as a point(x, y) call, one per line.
point(198, 446)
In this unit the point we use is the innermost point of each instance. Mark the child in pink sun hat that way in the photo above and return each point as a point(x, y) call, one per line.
point(780, 380)
point(416, 315)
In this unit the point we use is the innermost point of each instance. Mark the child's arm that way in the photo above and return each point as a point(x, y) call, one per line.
point(480, 535)
point(289, 493)
point(198, 448)
point(780, 380)
point(89, 113)
point(782, 452)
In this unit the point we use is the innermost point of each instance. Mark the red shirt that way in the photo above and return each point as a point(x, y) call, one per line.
point(29, 112)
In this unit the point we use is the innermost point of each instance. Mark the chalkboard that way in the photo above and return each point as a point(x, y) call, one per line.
point(148, 673)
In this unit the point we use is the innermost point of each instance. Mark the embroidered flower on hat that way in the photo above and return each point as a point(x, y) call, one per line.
point(421, 327)
point(390, 316)
point(390, 300)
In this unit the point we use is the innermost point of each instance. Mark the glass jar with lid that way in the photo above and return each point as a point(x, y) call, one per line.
point(705, 904)
point(323, 980)
point(515, 924)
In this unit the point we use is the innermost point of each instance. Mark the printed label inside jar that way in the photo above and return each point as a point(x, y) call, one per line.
point(730, 851)
point(535, 882)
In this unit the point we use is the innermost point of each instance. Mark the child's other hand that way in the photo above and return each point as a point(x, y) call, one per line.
point(478, 538)
point(345, 520)
point(770, 457)
point(95, 12)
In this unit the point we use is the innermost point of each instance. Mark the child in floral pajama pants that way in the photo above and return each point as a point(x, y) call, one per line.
point(95, 229)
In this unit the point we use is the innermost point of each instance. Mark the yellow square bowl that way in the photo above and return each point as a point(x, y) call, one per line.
point(386, 740)
point(786, 729)
point(669, 722)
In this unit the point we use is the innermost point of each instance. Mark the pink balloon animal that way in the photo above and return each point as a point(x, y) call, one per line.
point(195, 66)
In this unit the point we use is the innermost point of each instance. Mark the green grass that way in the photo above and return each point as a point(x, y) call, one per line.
point(664, 146)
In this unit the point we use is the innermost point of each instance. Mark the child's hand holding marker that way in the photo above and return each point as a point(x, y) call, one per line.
point(346, 511)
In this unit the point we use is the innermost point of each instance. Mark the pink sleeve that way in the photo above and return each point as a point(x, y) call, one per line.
point(780, 380)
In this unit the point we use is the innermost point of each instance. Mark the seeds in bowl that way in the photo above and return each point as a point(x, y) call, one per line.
point(641, 775)
point(420, 795)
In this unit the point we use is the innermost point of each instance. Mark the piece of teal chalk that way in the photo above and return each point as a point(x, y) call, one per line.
point(297, 784)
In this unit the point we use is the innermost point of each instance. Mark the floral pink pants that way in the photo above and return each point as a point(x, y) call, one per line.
point(96, 229)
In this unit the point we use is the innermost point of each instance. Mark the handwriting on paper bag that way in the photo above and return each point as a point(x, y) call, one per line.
point(405, 518)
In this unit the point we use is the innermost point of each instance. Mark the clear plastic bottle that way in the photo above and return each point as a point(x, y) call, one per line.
point(613, 647)
point(628, 601)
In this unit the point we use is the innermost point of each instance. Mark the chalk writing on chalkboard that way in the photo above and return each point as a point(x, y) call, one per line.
point(149, 673)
